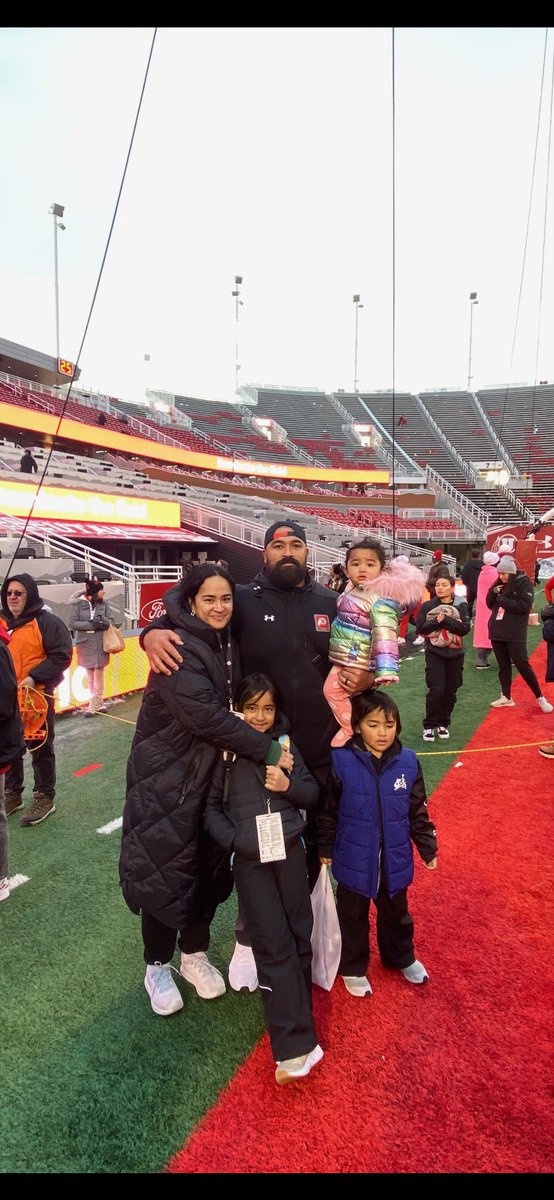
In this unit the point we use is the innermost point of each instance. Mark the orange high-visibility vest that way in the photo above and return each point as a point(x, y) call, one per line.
point(26, 648)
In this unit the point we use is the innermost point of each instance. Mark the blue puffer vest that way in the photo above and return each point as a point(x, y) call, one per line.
point(374, 810)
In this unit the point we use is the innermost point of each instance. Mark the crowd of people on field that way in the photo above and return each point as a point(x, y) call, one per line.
point(267, 748)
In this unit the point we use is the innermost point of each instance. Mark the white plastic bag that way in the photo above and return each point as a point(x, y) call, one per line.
point(326, 939)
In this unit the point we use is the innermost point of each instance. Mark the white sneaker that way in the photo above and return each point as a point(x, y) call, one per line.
point(296, 1068)
point(243, 973)
point(419, 640)
point(415, 973)
point(428, 735)
point(4, 888)
point(544, 704)
point(165, 996)
point(504, 702)
point(207, 980)
point(357, 985)
point(401, 641)
point(442, 732)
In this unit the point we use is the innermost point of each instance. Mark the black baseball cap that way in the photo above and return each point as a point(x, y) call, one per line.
point(281, 529)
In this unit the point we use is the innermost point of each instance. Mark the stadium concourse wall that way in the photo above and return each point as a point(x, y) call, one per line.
point(405, 497)
point(11, 415)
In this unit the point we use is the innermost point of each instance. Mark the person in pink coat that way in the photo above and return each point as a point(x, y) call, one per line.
point(481, 640)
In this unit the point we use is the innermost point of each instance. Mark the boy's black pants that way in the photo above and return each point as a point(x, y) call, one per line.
point(395, 930)
point(275, 902)
point(443, 677)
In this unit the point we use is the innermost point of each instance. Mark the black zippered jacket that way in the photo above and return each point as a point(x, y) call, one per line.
point(426, 624)
point(231, 811)
point(516, 599)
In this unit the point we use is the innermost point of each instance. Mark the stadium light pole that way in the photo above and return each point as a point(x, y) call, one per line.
point(356, 300)
point(57, 211)
point(472, 302)
point(236, 294)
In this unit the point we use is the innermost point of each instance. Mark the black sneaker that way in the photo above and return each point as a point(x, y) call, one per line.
point(39, 810)
point(443, 731)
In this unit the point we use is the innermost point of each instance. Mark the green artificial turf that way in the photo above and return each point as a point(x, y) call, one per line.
point(92, 1080)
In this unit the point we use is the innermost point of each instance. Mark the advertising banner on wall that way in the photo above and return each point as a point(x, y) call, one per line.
point(72, 504)
point(505, 538)
point(151, 603)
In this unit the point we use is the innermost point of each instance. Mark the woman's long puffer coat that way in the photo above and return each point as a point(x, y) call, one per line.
point(183, 724)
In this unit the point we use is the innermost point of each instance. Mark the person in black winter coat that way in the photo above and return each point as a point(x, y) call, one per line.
point(28, 464)
point(511, 600)
point(282, 623)
point(547, 618)
point(12, 747)
point(271, 876)
point(470, 576)
point(169, 871)
point(443, 621)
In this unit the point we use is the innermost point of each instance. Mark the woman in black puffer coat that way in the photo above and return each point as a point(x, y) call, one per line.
point(170, 870)
point(511, 599)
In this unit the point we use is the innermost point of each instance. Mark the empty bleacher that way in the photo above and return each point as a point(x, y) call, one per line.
point(458, 417)
point(313, 423)
point(522, 418)
point(225, 423)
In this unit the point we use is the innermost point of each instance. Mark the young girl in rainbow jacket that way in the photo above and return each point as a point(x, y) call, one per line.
point(364, 633)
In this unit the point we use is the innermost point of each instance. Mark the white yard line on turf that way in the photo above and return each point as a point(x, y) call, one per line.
point(109, 828)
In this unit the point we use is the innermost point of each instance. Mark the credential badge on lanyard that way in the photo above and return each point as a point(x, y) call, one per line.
point(270, 826)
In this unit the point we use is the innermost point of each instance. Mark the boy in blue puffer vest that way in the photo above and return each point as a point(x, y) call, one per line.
point(376, 807)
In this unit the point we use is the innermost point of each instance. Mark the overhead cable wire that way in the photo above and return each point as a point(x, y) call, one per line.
point(524, 257)
point(543, 251)
point(92, 304)
point(393, 296)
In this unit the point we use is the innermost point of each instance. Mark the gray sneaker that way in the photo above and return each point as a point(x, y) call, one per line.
point(198, 970)
point(357, 985)
point(415, 973)
point(39, 810)
point(165, 996)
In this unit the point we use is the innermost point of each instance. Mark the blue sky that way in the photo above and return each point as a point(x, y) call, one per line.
point(268, 153)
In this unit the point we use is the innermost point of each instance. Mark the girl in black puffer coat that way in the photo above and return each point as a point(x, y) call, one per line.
point(170, 870)
point(271, 877)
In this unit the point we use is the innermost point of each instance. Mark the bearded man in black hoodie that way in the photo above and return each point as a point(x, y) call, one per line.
point(41, 649)
point(281, 621)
